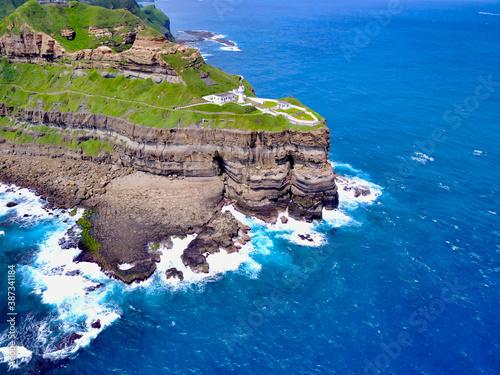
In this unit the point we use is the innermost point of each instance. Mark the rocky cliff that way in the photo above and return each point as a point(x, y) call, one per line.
point(263, 171)
point(77, 126)
point(142, 60)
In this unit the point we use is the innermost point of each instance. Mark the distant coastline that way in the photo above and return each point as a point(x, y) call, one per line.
point(197, 36)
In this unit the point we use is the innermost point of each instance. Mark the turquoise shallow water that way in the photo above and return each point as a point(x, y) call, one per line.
point(405, 283)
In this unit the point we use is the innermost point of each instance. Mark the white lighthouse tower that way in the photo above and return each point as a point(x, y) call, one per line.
point(241, 97)
point(240, 91)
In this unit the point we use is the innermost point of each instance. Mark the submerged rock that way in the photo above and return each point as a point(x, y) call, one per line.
point(306, 237)
point(68, 340)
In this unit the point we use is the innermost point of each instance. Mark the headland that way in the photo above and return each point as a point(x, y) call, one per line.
point(114, 116)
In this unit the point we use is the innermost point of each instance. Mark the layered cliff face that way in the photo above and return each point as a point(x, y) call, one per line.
point(99, 110)
point(264, 172)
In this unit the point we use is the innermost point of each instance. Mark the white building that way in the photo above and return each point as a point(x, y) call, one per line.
point(284, 105)
point(224, 97)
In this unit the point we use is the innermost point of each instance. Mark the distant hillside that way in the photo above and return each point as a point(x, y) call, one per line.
point(152, 16)
point(9, 6)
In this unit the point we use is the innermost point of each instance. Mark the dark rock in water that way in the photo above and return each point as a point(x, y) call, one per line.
point(244, 228)
point(66, 243)
point(26, 215)
point(96, 324)
point(361, 190)
point(73, 273)
point(180, 275)
point(140, 271)
point(306, 237)
point(173, 272)
point(284, 219)
point(12, 204)
point(219, 232)
point(58, 271)
point(68, 340)
point(169, 244)
point(365, 191)
point(70, 241)
point(93, 288)
point(84, 256)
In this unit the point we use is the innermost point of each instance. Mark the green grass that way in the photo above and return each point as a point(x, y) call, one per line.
point(289, 111)
point(157, 19)
point(298, 103)
point(16, 136)
point(42, 129)
point(133, 100)
point(305, 117)
point(91, 147)
point(9, 6)
point(88, 240)
point(229, 107)
point(54, 139)
point(269, 104)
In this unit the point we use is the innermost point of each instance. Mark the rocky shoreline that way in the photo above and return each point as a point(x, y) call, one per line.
point(145, 184)
point(131, 210)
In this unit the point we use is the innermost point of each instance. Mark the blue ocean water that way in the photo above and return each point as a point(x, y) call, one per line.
point(404, 282)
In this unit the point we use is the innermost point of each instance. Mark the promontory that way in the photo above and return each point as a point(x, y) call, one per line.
point(102, 109)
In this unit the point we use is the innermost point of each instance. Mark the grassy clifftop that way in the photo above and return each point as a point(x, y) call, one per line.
point(142, 102)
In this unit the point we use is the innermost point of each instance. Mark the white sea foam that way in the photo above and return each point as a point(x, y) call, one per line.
point(230, 48)
point(348, 167)
point(2, 233)
point(219, 263)
point(217, 36)
point(337, 218)
point(21, 356)
point(477, 152)
point(295, 231)
point(28, 203)
point(354, 191)
point(445, 187)
point(422, 158)
point(490, 14)
point(75, 294)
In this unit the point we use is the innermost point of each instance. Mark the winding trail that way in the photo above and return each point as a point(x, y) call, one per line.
point(172, 109)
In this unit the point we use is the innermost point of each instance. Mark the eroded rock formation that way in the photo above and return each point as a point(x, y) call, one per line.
point(142, 60)
point(263, 171)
